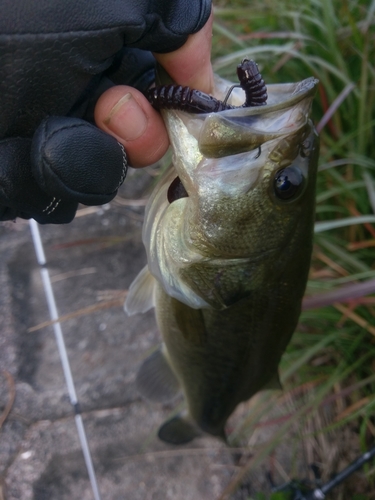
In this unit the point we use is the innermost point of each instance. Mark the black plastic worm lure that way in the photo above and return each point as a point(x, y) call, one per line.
point(195, 101)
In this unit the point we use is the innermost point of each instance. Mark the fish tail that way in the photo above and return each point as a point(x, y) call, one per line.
point(178, 430)
point(182, 429)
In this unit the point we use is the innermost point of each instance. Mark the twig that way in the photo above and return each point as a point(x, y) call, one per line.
point(286, 57)
point(346, 293)
point(355, 317)
point(353, 211)
point(81, 312)
point(2, 494)
point(126, 202)
point(12, 397)
point(156, 455)
point(359, 245)
point(352, 408)
point(331, 263)
point(334, 106)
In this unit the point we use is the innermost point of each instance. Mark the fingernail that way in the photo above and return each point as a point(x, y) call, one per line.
point(127, 119)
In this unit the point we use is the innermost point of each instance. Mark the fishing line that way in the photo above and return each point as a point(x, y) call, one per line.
point(40, 255)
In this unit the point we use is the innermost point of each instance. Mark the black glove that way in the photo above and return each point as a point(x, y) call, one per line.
point(56, 59)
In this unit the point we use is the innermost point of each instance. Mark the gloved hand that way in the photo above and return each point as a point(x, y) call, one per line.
point(56, 59)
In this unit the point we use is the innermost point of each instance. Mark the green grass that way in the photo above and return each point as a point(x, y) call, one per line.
point(333, 350)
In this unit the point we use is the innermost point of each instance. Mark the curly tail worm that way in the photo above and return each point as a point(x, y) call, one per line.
point(195, 101)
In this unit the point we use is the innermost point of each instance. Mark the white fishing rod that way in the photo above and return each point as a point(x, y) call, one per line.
point(40, 255)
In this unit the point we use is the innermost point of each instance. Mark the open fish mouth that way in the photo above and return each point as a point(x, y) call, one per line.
point(243, 129)
point(223, 153)
point(280, 95)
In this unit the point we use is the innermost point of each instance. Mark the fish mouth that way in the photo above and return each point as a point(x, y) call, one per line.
point(243, 129)
point(280, 96)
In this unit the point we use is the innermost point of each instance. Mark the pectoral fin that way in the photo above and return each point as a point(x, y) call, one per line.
point(273, 384)
point(178, 430)
point(141, 293)
point(156, 380)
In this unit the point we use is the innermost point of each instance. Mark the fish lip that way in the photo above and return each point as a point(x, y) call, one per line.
point(280, 97)
point(244, 129)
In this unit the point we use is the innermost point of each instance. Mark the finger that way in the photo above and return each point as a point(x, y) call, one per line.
point(133, 67)
point(191, 64)
point(126, 114)
point(20, 195)
point(73, 159)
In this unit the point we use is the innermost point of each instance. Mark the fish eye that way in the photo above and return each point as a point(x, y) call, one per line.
point(288, 182)
point(176, 190)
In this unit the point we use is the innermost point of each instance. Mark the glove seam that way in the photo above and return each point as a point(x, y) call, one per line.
point(74, 34)
point(124, 166)
point(120, 27)
point(69, 33)
point(51, 207)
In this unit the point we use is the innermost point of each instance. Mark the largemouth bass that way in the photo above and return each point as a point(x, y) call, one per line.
point(228, 235)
